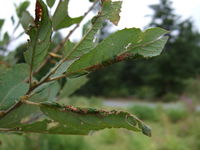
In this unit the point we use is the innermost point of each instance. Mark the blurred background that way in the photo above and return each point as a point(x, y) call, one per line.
point(163, 91)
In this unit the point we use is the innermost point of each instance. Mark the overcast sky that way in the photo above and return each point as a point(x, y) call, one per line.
point(132, 15)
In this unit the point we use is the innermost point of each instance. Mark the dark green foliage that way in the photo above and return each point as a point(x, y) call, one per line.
point(169, 97)
point(13, 88)
point(176, 115)
point(145, 112)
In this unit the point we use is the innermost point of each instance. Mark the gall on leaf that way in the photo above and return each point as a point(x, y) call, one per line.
point(38, 12)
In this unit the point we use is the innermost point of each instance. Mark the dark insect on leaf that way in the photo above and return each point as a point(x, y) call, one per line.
point(38, 12)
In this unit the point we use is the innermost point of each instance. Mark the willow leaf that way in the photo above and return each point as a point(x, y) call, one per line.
point(61, 18)
point(88, 120)
point(27, 20)
point(21, 8)
point(50, 3)
point(26, 113)
point(12, 85)
point(73, 85)
point(40, 36)
point(110, 11)
point(1, 23)
point(51, 127)
point(121, 45)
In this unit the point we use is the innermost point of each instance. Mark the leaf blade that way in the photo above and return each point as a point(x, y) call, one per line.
point(93, 120)
point(119, 46)
point(61, 18)
point(40, 36)
point(110, 11)
point(50, 3)
point(13, 88)
point(72, 85)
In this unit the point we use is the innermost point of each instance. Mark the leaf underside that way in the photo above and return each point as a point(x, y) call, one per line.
point(12, 85)
point(25, 113)
point(87, 43)
point(124, 44)
point(40, 37)
point(81, 121)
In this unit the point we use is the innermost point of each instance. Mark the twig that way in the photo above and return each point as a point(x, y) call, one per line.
point(57, 78)
point(7, 130)
point(10, 109)
point(31, 103)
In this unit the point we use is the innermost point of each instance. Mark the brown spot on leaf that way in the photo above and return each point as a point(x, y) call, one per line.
point(123, 57)
point(71, 108)
point(38, 12)
point(94, 67)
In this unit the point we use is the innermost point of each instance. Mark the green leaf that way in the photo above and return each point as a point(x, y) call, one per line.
point(61, 18)
point(50, 3)
point(48, 91)
point(12, 85)
point(40, 36)
point(110, 10)
point(6, 39)
point(88, 120)
point(27, 21)
point(22, 114)
point(87, 42)
point(62, 68)
point(69, 120)
point(17, 117)
point(72, 85)
point(68, 47)
point(121, 45)
point(1, 23)
point(50, 127)
point(21, 8)
point(27, 113)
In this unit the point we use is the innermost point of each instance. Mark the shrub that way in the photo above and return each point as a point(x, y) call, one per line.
point(170, 97)
point(145, 112)
point(145, 92)
point(176, 115)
